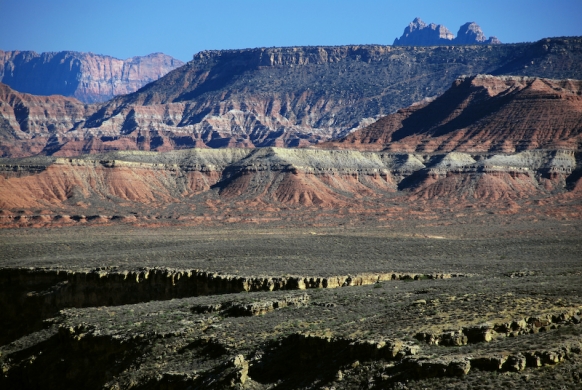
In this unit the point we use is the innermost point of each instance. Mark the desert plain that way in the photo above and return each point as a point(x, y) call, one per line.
point(451, 302)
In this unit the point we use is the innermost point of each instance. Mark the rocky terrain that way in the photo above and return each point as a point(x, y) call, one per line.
point(267, 307)
point(26, 120)
point(418, 33)
point(482, 114)
point(85, 76)
point(288, 96)
point(291, 268)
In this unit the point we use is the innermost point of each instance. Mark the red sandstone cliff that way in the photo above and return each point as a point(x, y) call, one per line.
point(276, 183)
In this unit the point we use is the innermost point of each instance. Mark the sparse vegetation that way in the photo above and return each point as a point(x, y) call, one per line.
point(158, 344)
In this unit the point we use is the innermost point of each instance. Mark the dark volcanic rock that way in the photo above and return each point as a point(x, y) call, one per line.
point(86, 76)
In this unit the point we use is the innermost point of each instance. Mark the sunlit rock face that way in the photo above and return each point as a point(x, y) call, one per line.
point(86, 76)
point(418, 33)
point(482, 114)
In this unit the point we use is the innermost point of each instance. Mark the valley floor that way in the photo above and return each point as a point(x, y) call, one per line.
point(484, 301)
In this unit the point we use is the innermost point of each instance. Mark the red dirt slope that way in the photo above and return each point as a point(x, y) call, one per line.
point(480, 114)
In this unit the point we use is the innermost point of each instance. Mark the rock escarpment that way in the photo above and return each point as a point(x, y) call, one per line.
point(292, 96)
point(361, 337)
point(41, 293)
point(418, 33)
point(86, 76)
point(482, 114)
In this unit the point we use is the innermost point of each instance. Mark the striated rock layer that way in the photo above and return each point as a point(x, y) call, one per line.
point(27, 121)
point(481, 114)
point(289, 97)
point(202, 184)
point(86, 76)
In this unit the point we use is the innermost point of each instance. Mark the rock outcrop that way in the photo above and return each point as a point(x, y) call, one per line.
point(482, 114)
point(418, 33)
point(470, 34)
point(86, 76)
point(488, 332)
point(288, 97)
point(55, 289)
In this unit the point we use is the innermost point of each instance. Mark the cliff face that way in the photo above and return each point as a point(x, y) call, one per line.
point(418, 33)
point(470, 33)
point(86, 76)
point(483, 113)
point(293, 96)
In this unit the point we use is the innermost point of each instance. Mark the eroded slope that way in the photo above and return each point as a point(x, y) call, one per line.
point(515, 321)
point(482, 113)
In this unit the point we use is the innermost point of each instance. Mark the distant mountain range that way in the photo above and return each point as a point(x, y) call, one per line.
point(511, 144)
point(418, 33)
point(86, 76)
point(293, 96)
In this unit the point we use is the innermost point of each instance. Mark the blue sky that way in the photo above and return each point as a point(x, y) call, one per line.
point(181, 28)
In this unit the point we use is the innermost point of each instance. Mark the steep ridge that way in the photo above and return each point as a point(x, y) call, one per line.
point(480, 114)
point(205, 184)
point(418, 33)
point(470, 33)
point(86, 76)
point(295, 96)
